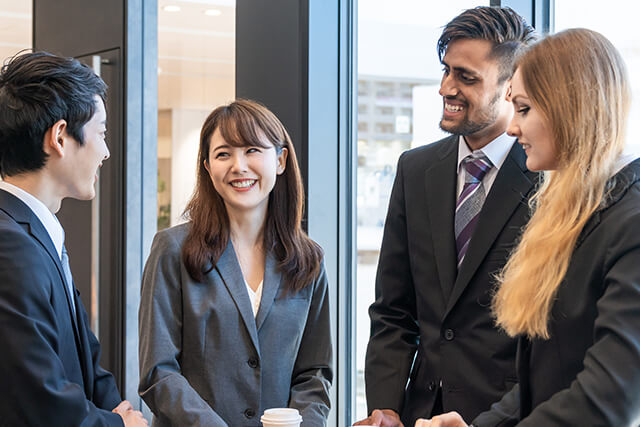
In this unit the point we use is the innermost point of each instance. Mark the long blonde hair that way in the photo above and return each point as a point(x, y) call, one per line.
point(577, 80)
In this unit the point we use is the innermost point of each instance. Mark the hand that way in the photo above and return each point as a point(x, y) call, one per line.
point(382, 418)
point(130, 417)
point(123, 407)
point(450, 419)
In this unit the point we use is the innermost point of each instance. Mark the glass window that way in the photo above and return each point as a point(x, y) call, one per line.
point(196, 73)
point(15, 27)
point(398, 80)
point(615, 20)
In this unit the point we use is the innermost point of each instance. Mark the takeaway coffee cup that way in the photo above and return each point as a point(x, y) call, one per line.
point(281, 417)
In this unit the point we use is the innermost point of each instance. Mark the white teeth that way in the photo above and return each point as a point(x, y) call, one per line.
point(243, 184)
point(453, 108)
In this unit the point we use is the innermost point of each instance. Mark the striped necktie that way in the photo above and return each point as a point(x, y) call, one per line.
point(67, 273)
point(470, 201)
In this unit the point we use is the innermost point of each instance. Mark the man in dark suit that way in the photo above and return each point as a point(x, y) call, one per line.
point(52, 130)
point(456, 209)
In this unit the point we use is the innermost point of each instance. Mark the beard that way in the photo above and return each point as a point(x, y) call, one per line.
point(487, 116)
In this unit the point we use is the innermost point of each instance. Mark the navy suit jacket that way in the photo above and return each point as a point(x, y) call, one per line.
point(49, 364)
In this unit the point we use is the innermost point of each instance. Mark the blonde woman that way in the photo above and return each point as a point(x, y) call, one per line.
point(571, 290)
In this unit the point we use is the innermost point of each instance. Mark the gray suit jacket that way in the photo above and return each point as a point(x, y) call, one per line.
point(206, 361)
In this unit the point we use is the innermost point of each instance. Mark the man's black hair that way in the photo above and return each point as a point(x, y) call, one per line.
point(36, 90)
point(505, 29)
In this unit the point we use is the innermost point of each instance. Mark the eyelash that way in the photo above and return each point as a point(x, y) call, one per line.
point(523, 110)
point(249, 151)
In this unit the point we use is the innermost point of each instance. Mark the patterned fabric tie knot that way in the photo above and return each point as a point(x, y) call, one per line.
point(470, 200)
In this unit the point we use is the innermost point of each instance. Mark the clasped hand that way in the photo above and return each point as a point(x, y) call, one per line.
point(130, 417)
point(450, 419)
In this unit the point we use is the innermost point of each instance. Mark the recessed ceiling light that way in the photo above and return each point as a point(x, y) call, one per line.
point(172, 8)
point(213, 12)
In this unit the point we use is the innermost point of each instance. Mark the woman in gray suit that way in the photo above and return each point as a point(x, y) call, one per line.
point(234, 317)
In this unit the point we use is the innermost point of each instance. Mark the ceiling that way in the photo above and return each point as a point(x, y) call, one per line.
point(196, 51)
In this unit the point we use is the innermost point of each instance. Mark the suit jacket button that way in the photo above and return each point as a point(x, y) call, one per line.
point(432, 385)
point(253, 362)
point(449, 335)
point(249, 413)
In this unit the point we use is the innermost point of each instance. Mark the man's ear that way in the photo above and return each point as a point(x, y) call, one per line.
point(56, 138)
point(507, 90)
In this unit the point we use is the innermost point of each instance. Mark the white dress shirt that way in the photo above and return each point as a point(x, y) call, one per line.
point(255, 297)
point(46, 217)
point(496, 151)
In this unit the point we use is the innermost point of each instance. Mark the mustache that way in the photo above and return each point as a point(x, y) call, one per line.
point(455, 98)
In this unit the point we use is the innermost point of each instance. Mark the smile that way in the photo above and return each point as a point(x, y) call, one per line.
point(243, 183)
point(453, 108)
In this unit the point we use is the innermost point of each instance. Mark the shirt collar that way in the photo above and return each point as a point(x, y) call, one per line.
point(46, 217)
point(496, 151)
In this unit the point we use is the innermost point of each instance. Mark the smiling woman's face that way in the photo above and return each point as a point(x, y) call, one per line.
point(531, 129)
point(243, 176)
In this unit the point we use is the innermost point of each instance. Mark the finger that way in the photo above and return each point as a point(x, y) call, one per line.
point(126, 405)
point(421, 422)
point(376, 417)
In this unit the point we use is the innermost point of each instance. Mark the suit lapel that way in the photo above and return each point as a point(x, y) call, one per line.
point(229, 270)
point(440, 184)
point(85, 354)
point(508, 191)
point(270, 287)
point(22, 214)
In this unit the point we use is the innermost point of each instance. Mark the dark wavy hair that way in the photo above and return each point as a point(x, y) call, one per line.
point(245, 123)
point(503, 27)
point(37, 89)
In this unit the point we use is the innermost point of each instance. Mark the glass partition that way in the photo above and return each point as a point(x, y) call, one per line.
point(398, 108)
point(196, 73)
point(615, 21)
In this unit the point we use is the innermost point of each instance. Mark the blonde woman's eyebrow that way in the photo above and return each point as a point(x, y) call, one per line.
point(517, 99)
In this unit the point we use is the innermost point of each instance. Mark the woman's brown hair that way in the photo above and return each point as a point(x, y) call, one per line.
point(245, 123)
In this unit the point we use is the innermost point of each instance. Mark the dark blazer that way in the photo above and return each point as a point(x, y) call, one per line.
point(49, 367)
point(424, 305)
point(206, 361)
point(588, 372)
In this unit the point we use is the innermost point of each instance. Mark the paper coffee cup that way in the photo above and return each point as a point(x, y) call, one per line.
point(281, 417)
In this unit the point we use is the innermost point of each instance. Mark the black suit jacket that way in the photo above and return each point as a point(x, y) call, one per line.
point(424, 305)
point(588, 372)
point(49, 365)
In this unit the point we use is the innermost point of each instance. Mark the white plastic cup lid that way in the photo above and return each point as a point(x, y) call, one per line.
point(281, 416)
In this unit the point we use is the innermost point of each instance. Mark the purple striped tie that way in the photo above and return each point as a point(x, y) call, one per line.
point(470, 201)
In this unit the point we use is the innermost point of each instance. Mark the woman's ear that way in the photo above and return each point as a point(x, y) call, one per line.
point(282, 161)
